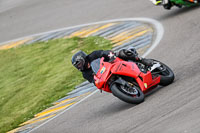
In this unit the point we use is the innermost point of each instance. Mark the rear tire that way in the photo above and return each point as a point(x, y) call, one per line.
point(167, 76)
point(118, 92)
point(166, 79)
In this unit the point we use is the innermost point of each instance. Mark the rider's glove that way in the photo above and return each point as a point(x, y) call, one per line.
point(108, 55)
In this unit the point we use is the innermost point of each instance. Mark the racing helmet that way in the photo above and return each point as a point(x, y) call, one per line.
point(78, 60)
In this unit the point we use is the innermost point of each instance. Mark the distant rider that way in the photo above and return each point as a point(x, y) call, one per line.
point(167, 4)
point(82, 61)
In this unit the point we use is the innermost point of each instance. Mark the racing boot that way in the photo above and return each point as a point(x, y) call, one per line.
point(156, 2)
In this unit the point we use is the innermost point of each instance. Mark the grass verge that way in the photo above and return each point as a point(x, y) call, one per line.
point(33, 76)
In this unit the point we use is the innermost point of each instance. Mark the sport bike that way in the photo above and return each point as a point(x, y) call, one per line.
point(167, 4)
point(129, 80)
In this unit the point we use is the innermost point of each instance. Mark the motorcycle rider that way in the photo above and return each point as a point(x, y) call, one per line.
point(166, 3)
point(82, 61)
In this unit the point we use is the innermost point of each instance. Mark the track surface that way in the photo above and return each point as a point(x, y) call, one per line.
point(175, 108)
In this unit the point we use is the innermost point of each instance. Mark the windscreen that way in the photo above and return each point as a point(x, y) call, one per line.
point(95, 65)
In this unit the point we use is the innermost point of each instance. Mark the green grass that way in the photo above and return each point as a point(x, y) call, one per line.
point(33, 76)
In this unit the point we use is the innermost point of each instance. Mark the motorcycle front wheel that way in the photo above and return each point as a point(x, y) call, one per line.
point(126, 96)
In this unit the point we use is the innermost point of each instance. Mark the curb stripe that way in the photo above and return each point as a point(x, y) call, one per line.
point(126, 34)
point(134, 42)
point(132, 27)
point(34, 121)
point(127, 38)
point(66, 33)
point(64, 101)
point(14, 130)
point(115, 29)
point(82, 31)
point(53, 110)
point(14, 44)
point(131, 31)
point(137, 41)
point(101, 33)
point(98, 29)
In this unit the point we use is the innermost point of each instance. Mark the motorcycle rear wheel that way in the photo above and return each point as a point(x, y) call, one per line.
point(124, 96)
point(167, 76)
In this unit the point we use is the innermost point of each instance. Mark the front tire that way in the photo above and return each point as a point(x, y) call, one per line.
point(124, 96)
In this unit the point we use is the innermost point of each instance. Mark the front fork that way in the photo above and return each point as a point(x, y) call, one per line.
point(125, 86)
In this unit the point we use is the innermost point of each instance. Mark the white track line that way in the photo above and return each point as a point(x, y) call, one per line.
point(159, 29)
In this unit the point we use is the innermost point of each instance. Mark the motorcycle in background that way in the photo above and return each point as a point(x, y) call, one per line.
point(167, 4)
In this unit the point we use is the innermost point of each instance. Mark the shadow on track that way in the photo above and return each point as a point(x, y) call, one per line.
point(118, 106)
point(151, 92)
point(176, 12)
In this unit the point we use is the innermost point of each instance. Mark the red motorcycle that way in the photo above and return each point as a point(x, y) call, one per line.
point(129, 80)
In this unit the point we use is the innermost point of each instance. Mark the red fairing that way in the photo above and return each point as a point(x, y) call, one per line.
point(129, 69)
point(148, 80)
point(103, 74)
point(121, 67)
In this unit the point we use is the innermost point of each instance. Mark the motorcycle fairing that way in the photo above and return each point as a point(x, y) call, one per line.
point(130, 69)
point(120, 67)
point(146, 81)
point(102, 75)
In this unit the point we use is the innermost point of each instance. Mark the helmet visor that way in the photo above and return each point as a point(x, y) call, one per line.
point(80, 65)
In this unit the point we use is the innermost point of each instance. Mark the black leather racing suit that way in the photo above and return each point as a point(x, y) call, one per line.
point(88, 73)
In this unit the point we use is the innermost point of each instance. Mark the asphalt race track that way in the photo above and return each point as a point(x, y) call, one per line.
point(172, 109)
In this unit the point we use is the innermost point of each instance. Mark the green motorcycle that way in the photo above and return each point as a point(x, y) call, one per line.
point(167, 4)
